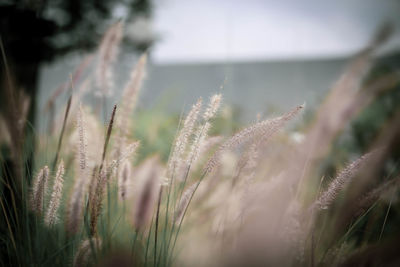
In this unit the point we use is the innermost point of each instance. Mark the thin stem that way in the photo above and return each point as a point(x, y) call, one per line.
point(186, 208)
point(156, 230)
point(62, 130)
point(183, 187)
point(134, 244)
point(108, 134)
point(386, 216)
point(147, 243)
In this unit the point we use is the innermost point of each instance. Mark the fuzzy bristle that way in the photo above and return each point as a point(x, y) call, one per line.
point(261, 130)
point(39, 190)
point(82, 139)
point(183, 137)
point(202, 132)
point(51, 215)
point(97, 201)
point(341, 180)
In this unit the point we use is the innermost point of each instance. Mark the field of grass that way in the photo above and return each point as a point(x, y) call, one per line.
point(150, 189)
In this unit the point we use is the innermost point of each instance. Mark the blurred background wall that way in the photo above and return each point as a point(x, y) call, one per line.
point(264, 56)
point(267, 55)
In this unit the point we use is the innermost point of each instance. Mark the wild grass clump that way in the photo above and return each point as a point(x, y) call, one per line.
point(255, 198)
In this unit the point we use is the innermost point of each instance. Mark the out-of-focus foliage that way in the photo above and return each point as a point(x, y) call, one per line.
point(42, 30)
point(366, 127)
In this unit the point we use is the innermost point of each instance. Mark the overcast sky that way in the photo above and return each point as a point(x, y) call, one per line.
point(221, 30)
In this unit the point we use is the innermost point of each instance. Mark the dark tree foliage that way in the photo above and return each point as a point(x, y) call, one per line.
point(37, 31)
point(33, 32)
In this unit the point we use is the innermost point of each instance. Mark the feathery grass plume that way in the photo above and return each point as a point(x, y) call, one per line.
point(341, 180)
point(108, 52)
point(146, 199)
point(199, 137)
point(262, 130)
point(249, 161)
point(37, 182)
point(98, 181)
point(185, 165)
point(97, 201)
point(247, 165)
point(82, 140)
point(182, 138)
point(94, 137)
point(85, 251)
point(183, 203)
point(202, 131)
point(39, 190)
point(126, 153)
point(92, 187)
point(128, 102)
point(109, 129)
point(124, 176)
point(75, 207)
point(51, 215)
point(213, 107)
